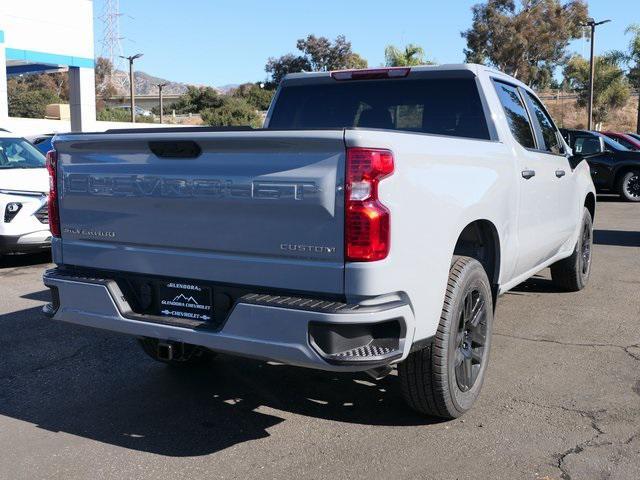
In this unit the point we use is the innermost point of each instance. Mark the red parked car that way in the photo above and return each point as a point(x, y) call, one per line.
point(625, 139)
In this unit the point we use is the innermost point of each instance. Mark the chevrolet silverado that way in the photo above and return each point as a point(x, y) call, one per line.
point(371, 223)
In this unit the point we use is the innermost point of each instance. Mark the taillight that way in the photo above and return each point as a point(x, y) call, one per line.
point(367, 222)
point(54, 212)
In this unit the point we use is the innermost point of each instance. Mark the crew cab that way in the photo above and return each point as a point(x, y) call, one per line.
point(372, 222)
point(614, 167)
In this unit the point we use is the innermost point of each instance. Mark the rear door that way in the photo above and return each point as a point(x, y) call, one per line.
point(248, 208)
point(537, 228)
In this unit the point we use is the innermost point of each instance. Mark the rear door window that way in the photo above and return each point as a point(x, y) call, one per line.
point(426, 105)
point(516, 113)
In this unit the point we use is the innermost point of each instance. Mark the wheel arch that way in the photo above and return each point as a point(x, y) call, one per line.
point(480, 240)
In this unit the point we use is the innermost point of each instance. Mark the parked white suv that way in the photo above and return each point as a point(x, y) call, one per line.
point(24, 187)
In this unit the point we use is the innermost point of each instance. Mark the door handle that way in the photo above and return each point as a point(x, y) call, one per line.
point(527, 174)
point(560, 173)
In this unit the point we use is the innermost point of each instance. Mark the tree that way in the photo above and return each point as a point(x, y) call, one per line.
point(633, 58)
point(232, 111)
point(610, 87)
point(289, 63)
point(411, 55)
point(104, 73)
point(318, 54)
point(197, 99)
point(527, 41)
point(28, 102)
point(255, 94)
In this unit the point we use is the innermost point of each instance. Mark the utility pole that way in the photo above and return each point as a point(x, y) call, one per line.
point(593, 24)
point(160, 86)
point(132, 84)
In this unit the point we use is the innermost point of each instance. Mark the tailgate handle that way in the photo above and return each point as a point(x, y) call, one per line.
point(175, 149)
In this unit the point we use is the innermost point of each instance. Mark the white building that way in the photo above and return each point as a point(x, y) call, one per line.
point(50, 35)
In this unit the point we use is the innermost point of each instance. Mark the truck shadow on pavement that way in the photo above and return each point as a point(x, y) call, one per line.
point(100, 386)
point(24, 260)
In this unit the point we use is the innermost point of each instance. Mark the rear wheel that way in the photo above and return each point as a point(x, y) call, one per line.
point(629, 186)
point(572, 274)
point(172, 353)
point(444, 378)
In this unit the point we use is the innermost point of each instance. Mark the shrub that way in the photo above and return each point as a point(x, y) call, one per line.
point(29, 103)
point(233, 111)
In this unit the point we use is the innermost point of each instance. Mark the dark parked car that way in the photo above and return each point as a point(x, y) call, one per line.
point(614, 168)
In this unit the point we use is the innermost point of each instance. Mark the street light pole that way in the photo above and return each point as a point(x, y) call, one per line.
point(592, 68)
point(160, 86)
point(132, 84)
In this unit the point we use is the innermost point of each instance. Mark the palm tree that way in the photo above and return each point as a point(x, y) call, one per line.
point(411, 55)
point(633, 57)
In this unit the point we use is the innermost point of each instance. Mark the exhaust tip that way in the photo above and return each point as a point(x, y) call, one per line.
point(50, 309)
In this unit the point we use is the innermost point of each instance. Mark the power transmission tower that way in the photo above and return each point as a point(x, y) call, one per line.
point(111, 42)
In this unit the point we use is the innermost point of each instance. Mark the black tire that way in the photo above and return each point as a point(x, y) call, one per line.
point(444, 378)
point(186, 354)
point(572, 273)
point(629, 186)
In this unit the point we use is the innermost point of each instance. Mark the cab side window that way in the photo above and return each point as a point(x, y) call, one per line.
point(547, 128)
point(516, 113)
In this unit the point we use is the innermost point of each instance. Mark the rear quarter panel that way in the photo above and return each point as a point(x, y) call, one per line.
point(439, 186)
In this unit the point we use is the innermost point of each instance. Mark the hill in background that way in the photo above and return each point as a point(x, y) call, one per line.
point(147, 84)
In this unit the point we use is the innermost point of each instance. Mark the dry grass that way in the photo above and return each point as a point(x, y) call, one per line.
point(567, 114)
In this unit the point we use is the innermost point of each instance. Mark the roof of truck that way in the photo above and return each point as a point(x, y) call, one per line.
point(473, 68)
point(421, 68)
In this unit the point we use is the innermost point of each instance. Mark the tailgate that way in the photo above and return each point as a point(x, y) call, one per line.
point(260, 208)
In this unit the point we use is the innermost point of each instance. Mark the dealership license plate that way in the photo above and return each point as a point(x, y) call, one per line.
point(185, 300)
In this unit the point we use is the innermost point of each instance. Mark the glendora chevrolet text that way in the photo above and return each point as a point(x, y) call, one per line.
point(371, 224)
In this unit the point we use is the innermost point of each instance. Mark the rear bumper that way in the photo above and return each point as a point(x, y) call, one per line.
point(266, 329)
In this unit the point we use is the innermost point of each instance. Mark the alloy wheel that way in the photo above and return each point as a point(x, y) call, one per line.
point(470, 339)
point(585, 257)
point(633, 186)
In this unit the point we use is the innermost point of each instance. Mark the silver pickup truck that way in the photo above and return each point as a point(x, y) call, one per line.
point(372, 222)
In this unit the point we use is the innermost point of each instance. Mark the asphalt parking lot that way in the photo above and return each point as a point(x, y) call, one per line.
point(562, 398)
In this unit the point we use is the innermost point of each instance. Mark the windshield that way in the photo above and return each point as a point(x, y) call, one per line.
point(18, 153)
point(613, 145)
point(450, 106)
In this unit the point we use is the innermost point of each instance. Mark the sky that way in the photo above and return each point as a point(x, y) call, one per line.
point(220, 42)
